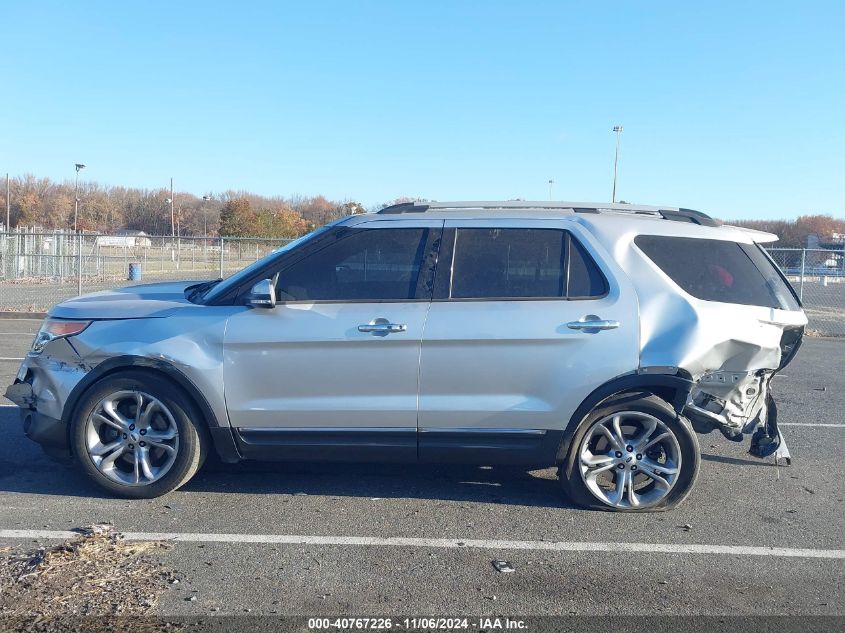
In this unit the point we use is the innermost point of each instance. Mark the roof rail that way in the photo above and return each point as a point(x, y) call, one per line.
point(675, 215)
point(405, 207)
point(689, 215)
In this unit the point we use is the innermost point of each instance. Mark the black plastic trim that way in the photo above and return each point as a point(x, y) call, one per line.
point(688, 215)
point(328, 444)
point(790, 342)
point(42, 429)
point(404, 207)
point(489, 446)
point(224, 444)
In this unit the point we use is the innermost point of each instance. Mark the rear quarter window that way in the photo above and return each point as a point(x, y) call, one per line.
point(718, 270)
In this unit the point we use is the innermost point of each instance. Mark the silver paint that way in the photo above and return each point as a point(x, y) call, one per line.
point(474, 364)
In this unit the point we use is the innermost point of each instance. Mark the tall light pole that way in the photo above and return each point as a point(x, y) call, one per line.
point(205, 216)
point(618, 130)
point(8, 204)
point(551, 184)
point(172, 220)
point(79, 167)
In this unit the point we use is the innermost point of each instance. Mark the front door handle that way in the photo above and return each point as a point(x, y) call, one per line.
point(382, 327)
point(593, 323)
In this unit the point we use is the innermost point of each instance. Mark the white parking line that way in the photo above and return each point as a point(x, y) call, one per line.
point(834, 426)
point(441, 543)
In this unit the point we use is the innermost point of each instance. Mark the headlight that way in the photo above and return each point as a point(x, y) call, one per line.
point(52, 329)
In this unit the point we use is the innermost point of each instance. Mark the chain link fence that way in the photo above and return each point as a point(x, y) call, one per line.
point(818, 275)
point(38, 270)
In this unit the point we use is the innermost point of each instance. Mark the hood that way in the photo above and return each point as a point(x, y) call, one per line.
point(133, 302)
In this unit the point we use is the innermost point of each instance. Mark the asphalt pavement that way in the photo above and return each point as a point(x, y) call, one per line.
point(329, 539)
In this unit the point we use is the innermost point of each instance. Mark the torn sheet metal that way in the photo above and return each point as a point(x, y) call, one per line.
point(730, 399)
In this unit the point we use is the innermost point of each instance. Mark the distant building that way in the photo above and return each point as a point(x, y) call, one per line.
point(829, 254)
point(125, 238)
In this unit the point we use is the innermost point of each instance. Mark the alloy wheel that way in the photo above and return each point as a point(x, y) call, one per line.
point(132, 438)
point(630, 460)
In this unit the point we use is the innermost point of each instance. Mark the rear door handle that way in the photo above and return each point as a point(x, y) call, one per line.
point(593, 324)
point(382, 327)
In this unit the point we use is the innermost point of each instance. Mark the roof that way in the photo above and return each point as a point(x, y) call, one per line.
point(483, 209)
point(129, 233)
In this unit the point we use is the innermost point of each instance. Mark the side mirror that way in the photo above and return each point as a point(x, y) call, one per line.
point(263, 294)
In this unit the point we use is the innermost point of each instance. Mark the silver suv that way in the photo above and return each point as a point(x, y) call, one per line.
point(595, 338)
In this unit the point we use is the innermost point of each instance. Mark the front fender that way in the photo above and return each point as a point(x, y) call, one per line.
point(220, 431)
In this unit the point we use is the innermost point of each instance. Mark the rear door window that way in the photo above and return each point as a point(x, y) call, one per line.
point(511, 263)
point(718, 270)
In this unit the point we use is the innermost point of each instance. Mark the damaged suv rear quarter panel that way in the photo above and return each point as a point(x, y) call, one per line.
point(730, 350)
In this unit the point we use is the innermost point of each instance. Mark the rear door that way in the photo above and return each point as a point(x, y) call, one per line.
point(527, 320)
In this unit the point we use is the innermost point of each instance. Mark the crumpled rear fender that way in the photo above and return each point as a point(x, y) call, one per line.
point(731, 352)
point(704, 336)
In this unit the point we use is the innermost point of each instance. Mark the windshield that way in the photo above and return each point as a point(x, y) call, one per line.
point(223, 286)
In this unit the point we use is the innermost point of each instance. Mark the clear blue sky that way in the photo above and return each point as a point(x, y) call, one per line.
point(735, 108)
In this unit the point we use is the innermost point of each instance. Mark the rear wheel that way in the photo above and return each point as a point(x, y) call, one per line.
point(137, 435)
point(632, 454)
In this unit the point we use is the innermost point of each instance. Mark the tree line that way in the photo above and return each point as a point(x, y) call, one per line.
point(41, 202)
point(794, 233)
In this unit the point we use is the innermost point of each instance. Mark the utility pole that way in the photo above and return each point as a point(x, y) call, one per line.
point(551, 184)
point(8, 204)
point(618, 130)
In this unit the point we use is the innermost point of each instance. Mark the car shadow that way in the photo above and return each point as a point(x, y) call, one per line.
point(735, 461)
point(480, 484)
point(25, 469)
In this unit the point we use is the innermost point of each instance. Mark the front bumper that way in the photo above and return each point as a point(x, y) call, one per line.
point(50, 432)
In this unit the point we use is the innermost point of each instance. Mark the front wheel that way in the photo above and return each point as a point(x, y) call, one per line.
point(137, 435)
point(633, 453)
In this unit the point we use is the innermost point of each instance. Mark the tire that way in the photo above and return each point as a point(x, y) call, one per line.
point(169, 438)
point(592, 479)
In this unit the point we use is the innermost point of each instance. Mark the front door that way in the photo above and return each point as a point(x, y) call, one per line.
point(508, 352)
point(332, 370)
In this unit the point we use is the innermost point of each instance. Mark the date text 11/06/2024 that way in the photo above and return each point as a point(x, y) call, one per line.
point(424, 623)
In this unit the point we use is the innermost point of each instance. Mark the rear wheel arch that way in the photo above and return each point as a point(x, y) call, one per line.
point(674, 389)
